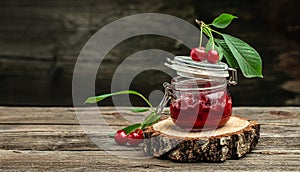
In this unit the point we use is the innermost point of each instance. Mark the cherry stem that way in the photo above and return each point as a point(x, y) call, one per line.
point(216, 32)
point(209, 34)
point(200, 23)
point(208, 31)
point(212, 38)
point(201, 31)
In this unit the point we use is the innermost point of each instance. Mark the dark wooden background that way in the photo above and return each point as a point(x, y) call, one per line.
point(40, 41)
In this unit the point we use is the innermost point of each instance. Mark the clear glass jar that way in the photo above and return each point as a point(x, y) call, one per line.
point(199, 103)
point(200, 99)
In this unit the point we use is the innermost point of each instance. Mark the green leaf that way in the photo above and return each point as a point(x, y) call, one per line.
point(137, 110)
point(208, 45)
point(206, 30)
point(104, 96)
point(247, 57)
point(131, 128)
point(220, 51)
point(223, 20)
point(150, 119)
point(111, 135)
point(227, 53)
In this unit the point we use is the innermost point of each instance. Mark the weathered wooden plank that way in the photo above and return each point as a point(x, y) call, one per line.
point(23, 125)
point(288, 115)
point(37, 38)
point(102, 161)
point(57, 142)
point(39, 68)
point(275, 122)
point(72, 140)
point(60, 28)
point(41, 80)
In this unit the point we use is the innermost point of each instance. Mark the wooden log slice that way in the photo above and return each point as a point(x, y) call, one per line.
point(167, 141)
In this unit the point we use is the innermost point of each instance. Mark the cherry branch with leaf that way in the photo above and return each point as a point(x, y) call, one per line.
point(132, 134)
point(237, 53)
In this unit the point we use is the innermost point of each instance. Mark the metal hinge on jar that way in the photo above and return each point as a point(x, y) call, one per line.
point(233, 79)
point(167, 96)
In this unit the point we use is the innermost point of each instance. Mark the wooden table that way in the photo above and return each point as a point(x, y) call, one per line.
point(43, 138)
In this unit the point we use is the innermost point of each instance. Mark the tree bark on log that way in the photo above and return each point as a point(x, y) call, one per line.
point(166, 141)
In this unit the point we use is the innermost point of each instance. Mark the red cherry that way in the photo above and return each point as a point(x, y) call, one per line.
point(212, 56)
point(120, 137)
point(175, 104)
point(198, 54)
point(204, 99)
point(136, 137)
point(206, 85)
point(140, 132)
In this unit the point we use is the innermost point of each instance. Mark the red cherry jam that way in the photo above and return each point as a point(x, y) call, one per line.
point(200, 104)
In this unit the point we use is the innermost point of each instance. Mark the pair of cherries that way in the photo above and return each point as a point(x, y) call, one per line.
point(134, 138)
point(199, 54)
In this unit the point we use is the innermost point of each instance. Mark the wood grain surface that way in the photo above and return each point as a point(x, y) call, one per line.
point(40, 42)
point(52, 139)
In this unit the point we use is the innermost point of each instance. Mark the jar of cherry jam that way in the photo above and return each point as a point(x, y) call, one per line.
point(199, 95)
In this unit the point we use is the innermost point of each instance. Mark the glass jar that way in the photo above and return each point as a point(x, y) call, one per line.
point(199, 103)
point(200, 99)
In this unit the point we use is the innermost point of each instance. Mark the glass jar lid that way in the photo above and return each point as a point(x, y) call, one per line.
point(181, 83)
point(186, 67)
